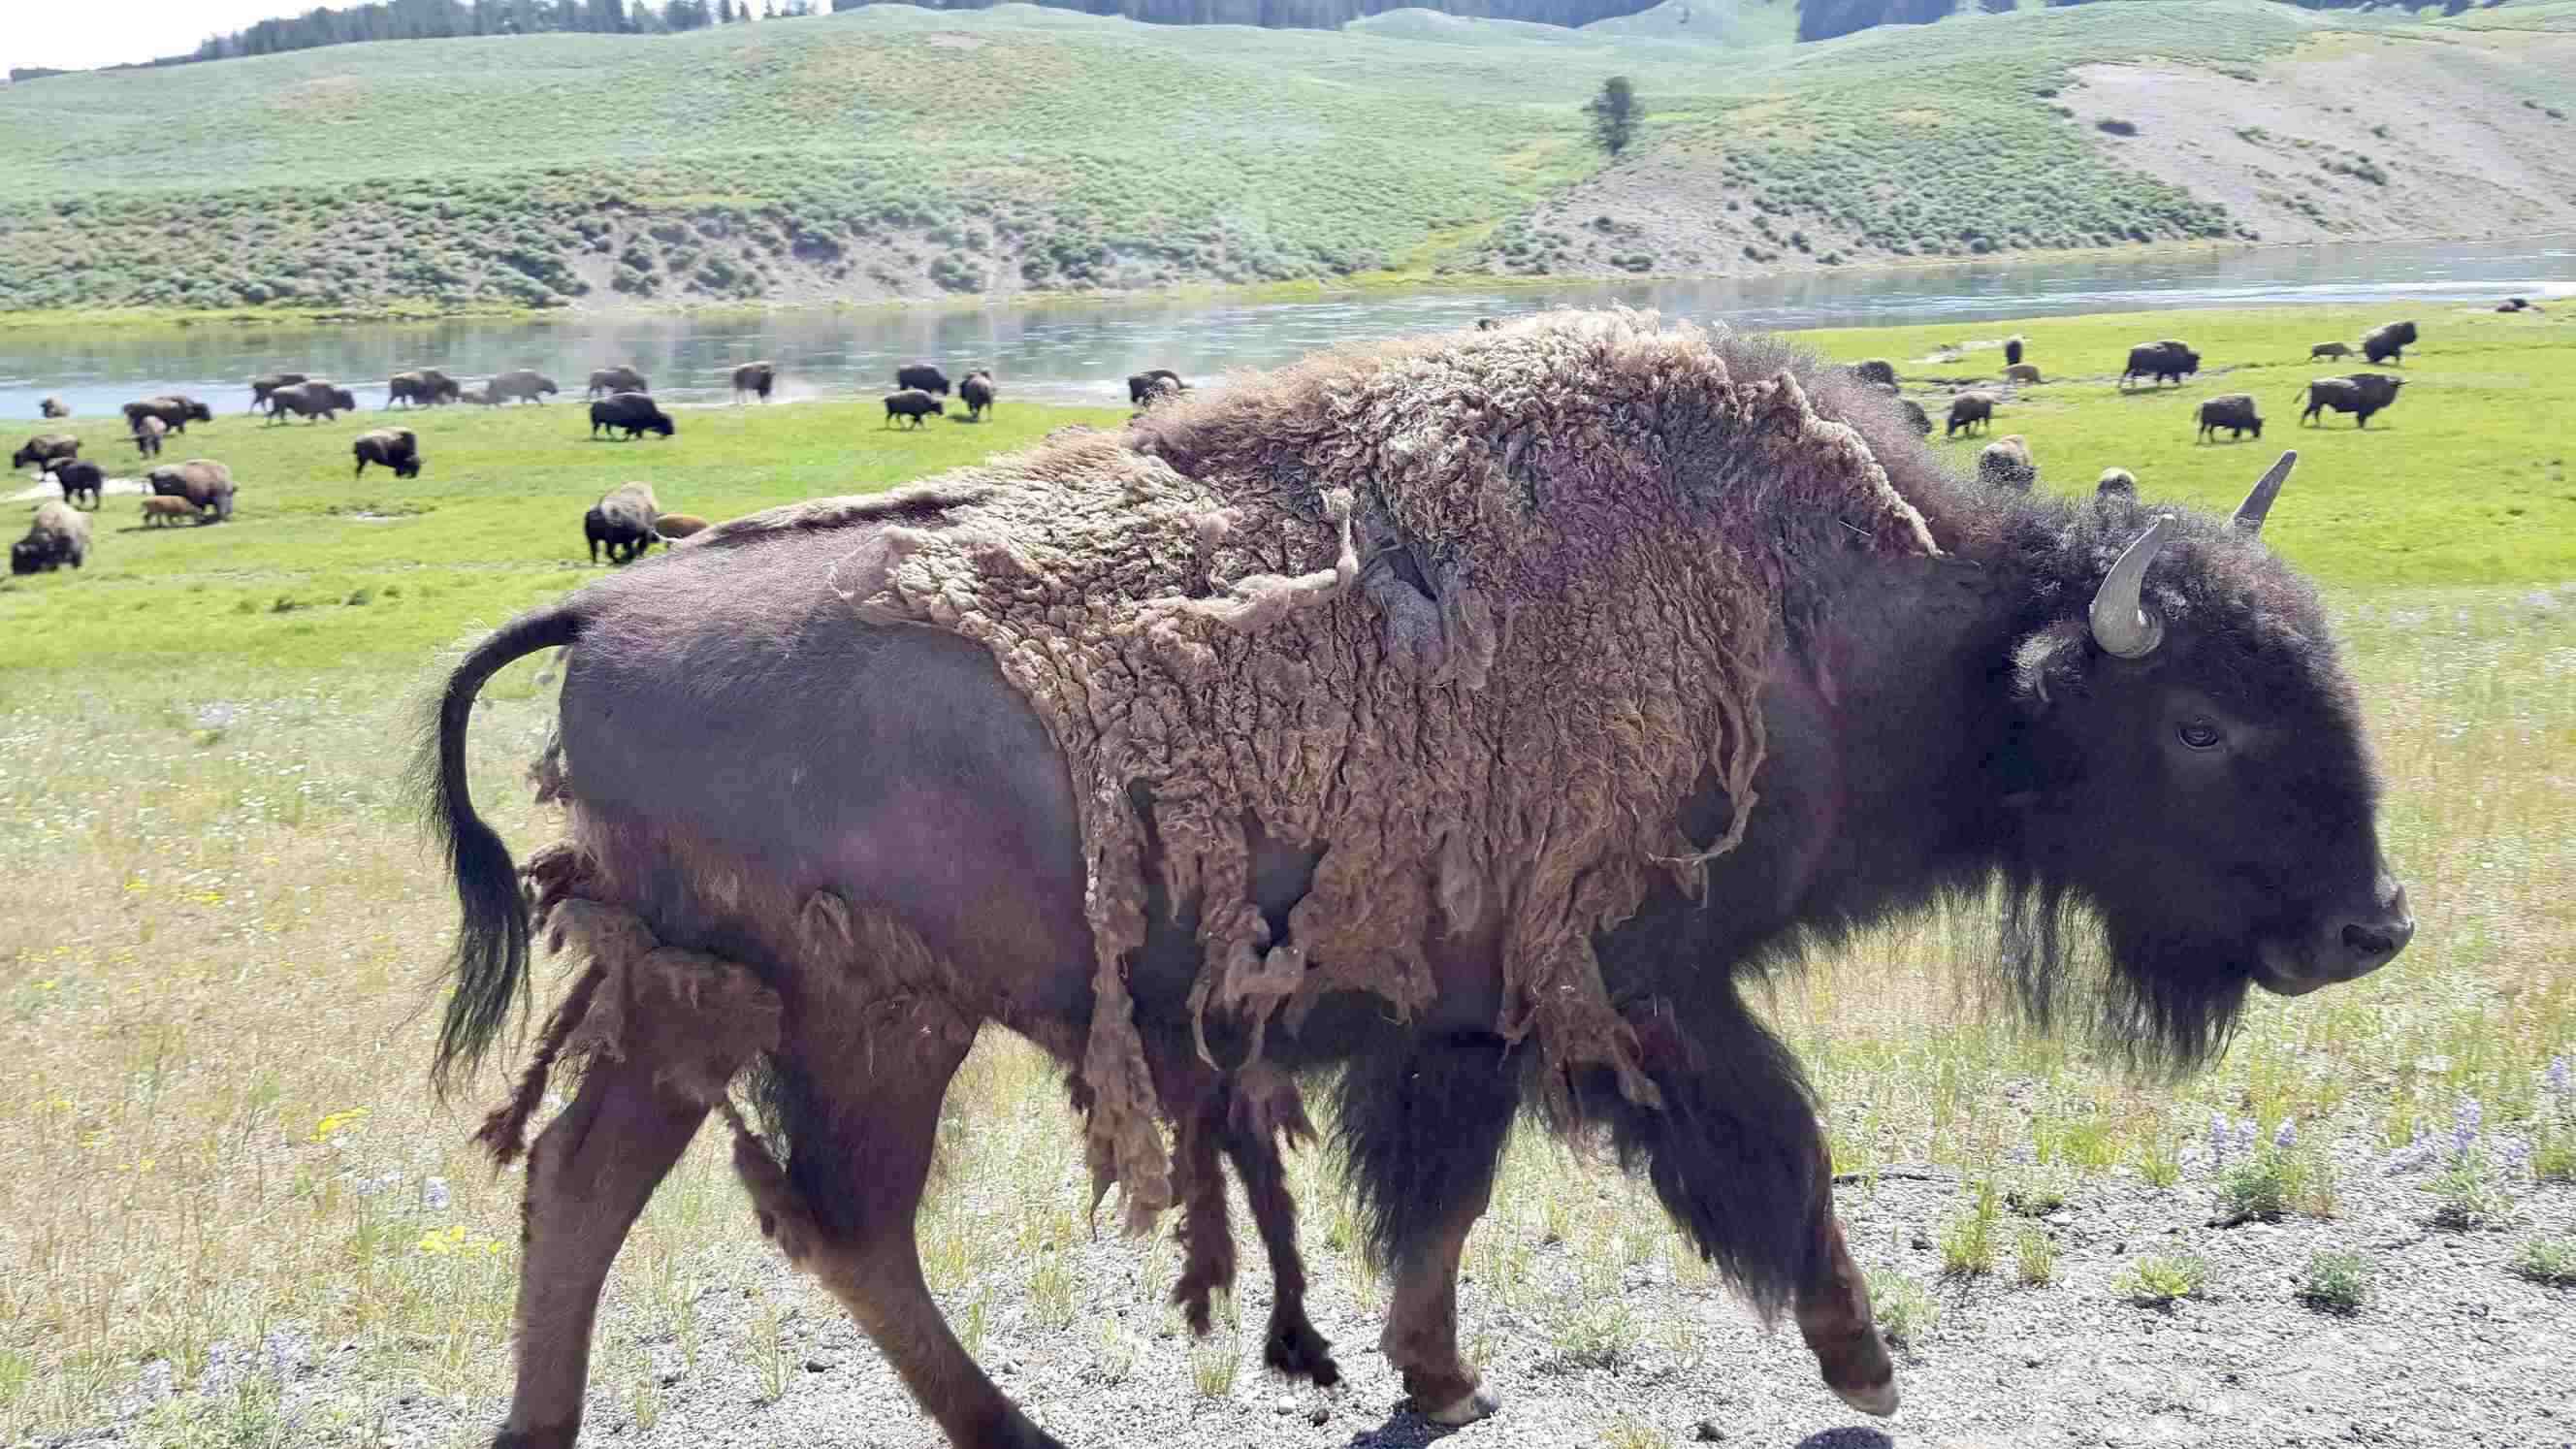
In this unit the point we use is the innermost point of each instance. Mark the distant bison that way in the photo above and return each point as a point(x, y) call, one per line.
point(205, 483)
point(269, 382)
point(1488, 324)
point(395, 448)
point(2360, 394)
point(976, 390)
point(160, 512)
point(41, 450)
point(2387, 342)
point(914, 404)
point(923, 376)
point(176, 409)
point(480, 396)
point(2022, 372)
point(635, 412)
point(1875, 370)
point(57, 536)
point(622, 521)
point(2166, 361)
point(52, 407)
point(2329, 349)
point(756, 378)
point(676, 526)
point(522, 384)
point(617, 379)
point(2116, 483)
point(2233, 411)
point(75, 478)
point(2012, 351)
point(1969, 409)
point(1914, 414)
point(426, 387)
point(315, 400)
point(1153, 382)
point(2005, 463)
point(148, 431)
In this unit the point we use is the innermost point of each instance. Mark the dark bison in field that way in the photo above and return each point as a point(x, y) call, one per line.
point(314, 400)
point(923, 376)
point(77, 478)
point(1152, 383)
point(1160, 830)
point(395, 448)
point(205, 483)
point(756, 378)
point(2387, 342)
point(426, 387)
point(2166, 361)
point(520, 384)
point(175, 410)
point(269, 382)
point(52, 407)
point(913, 404)
point(617, 379)
point(2012, 351)
point(2360, 394)
point(58, 535)
point(40, 451)
point(1914, 416)
point(148, 432)
point(1875, 370)
point(622, 522)
point(1970, 410)
point(2329, 349)
point(634, 412)
point(976, 390)
point(2233, 411)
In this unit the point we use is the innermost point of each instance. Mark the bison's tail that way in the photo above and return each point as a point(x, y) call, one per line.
point(490, 965)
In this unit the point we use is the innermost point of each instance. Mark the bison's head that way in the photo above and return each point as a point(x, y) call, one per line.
point(407, 466)
point(663, 425)
point(2199, 779)
point(200, 413)
point(344, 400)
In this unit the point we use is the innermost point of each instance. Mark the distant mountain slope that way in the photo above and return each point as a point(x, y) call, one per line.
point(895, 151)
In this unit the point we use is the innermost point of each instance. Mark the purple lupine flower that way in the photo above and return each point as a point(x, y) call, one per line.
point(433, 1194)
point(2414, 1154)
point(2464, 1126)
point(2513, 1152)
point(2219, 1137)
point(2558, 1079)
point(2246, 1135)
point(2287, 1136)
point(286, 1350)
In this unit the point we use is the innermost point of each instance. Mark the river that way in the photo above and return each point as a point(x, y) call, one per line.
point(1081, 351)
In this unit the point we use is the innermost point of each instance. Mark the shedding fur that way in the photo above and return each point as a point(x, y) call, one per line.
point(1472, 613)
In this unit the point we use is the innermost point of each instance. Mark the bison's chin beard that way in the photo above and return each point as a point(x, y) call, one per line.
point(2164, 1004)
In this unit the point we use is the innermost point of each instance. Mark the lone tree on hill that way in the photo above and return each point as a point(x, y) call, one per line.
point(1614, 114)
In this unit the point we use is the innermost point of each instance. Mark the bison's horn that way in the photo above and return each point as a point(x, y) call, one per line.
point(2249, 514)
point(2122, 623)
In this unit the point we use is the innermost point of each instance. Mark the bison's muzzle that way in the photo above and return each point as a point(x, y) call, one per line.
point(2344, 945)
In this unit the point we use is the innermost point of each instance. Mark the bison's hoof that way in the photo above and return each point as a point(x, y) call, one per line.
point(1297, 1350)
point(1879, 1398)
point(1478, 1403)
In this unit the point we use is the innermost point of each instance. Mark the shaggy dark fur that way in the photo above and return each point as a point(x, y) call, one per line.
point(977, 391)
point(756, 378)
point(175, 410)
point(395, 448)
point(2166, 361)
point(633, 412)
point(77, 478)
point(522, 383)
point(1970, 410)
point(617, 379)
point(923, 376)
point(2360, 394)
point(2387, 342)
point(269, 382)
point(1154, 382)
point(2233, 411)
point(913, 404)
point(44, 450)
point(426, 387)
point(314, 400)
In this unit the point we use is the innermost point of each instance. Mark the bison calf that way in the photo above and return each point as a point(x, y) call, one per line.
point(2329, 349)
point(2233, 411)
point(160, 512)
point(914, 404)
point(676, 526)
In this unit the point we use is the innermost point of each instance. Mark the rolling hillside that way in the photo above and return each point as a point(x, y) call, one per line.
point(894, 152)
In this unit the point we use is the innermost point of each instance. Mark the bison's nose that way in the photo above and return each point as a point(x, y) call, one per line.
point(2365, 943)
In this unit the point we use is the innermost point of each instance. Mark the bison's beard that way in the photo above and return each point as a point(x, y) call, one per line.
point(2165, 1004)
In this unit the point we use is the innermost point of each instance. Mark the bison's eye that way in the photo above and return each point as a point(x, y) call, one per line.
point(2199, 734)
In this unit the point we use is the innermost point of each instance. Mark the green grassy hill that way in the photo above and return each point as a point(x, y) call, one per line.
point(893, 151)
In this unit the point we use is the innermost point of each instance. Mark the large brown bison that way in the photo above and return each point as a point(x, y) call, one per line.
point(1970, 410)
point(2234, 411)
point(77, 478)
point(316, 400)
point(2387, 342)
point(1132, 804)
point(40, 451)
point(635, 412)
point(395, 448)
point(756, 378)
point(976, 390)
point(58, 535)
point(2166, 361)
point(923, 376)
point(176, 409)
point(205, 483)
point(2006, 463)
point(617, 379)
point(269, 382)
point(1152, 383)
point(622, 522)
point(424, 387)
point(522, 384)
point(52, 407)
point(148, 432)
point(2360, 394)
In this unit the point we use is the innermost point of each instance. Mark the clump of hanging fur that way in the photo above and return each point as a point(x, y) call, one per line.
point(1473, 613)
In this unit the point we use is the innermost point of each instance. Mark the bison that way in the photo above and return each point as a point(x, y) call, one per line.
point(159, 512)
point(2166, 361)
point(58, 535)
point(2117, 483)
point(2156, 836)
point(2022, 372)
point(1154, 382)
point(1488, 324)
point(2012, 352)
point(206, 484)
point(1969, 410)
point(425, 387)
point(756, 378)
point(622, 522)
point(914, 404)
point(177, 409)
point(52, 407)
point(523, 384)
point(314, 400)
point(40, 451)
point(1914, 416)
point(676, 526)
point(395, 448)
point(75, 478)
point(2005, 463)
point(617, 379)
point(635, 412)
point(269, 382)
point(2329, 349)
point(922, 376)
point(1875, 370)
point(976, 391)
point(148, 432)
point(2360, 394)
point(2387, 342)
point(480, 396)
point(2233, 411)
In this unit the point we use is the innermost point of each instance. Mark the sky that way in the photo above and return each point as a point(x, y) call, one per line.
point(79, 34)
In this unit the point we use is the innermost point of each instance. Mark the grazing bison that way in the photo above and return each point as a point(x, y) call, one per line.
point(395, 448)
point(622, 521)
point(1968, 410)
point(1152, 383)
point(523, 384)
point(976, 390)
point(2233, 411)
point(52, 407)
point(2166, 361)
point(2387, 342)
point(923, 376)
point(1913, 414)
point(2012, 351)
point(2329, 349)
point(2116, 483)
point(914, 404)
point(58, 535)
point(425, 387)
point(617, 379)
point(1092, 813)
point(40, 451)
point(676, 526)
point(2022, 372)
point(159, 512)
point(205, 483)
point(1875, 370)
point(269, 382)
point(1488, 324)
point(756, 378)
point(176, 409)
point(2005, 463)
point(635, 412)
point(2360, 394)
point(314, 400)
point(75, 478)
point(148, 432)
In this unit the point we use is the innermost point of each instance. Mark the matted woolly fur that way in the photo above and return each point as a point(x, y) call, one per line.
point(1472, 613)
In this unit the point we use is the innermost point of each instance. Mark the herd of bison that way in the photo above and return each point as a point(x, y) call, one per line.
point(628, 520)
